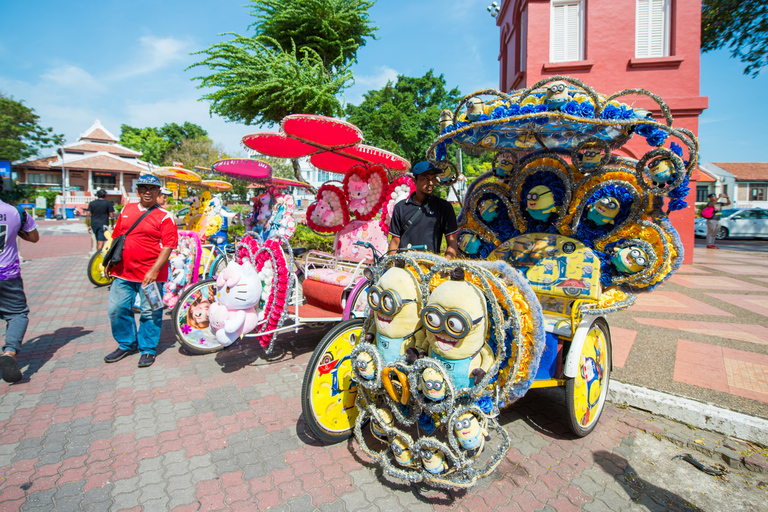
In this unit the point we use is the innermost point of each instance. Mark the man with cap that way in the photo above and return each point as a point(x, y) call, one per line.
point(163, 197)
point(97, 217)
point(145, 260)
point(423, 219)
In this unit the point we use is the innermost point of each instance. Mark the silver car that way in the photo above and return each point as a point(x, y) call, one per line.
point(737, 223)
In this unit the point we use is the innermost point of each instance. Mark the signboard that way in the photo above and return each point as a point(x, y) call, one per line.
point(5, 169)
point(40, 202)
point(172, 186)
point(27, 206)
point(182, 191)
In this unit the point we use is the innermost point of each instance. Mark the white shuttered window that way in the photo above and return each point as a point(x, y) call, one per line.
point(566, 31)
point(652, 28)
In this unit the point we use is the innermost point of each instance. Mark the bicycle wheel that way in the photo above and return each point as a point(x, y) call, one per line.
point(359, 300)
point(190, 318)
point(585, 394)
point(328, 392)
point(219, 264)
point(96, 273)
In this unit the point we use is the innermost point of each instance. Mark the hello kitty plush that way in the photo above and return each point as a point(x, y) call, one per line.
point(358, 192)
point(322, 213)
point(179, 277)
point(234, 313)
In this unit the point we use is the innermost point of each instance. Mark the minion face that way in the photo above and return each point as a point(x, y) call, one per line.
point(474, 108)
point(388, 421)
point(489, 210)
point(604, 210)
point(540, 202)
point(468, 431)
point(455, 319)
point(591, 158)
point(446, 119)
point(395, 301)
point(557, 94)
point(365, 366)
point(469, 243)
point(432, 384)
point(662, 171)
point(403, 455)
point(433, 461)
point(630, 260)
point(505, 165)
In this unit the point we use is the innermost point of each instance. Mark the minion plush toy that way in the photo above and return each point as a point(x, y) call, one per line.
point(431, 383)
point(395, 301)
point(376, 429)
point(557, 95)
point(603, 211)
point(433, 461)
point(629, 260)
point(489, 210)
point(475, 108)
point(504, 166)
point(540, 203)
point(402, 453)
point(591, 158)
point(662, 171)
point(456, 323)
point(365, 365)
point(446, 119)
point(470, 435)
point(469, 243)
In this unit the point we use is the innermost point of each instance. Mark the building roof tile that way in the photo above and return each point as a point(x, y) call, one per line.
point(746, 171)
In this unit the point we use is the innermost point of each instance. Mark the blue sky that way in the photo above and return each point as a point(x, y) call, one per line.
point(124, 63)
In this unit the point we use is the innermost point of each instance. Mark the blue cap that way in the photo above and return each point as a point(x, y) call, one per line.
point(149, 179)
point(422, 167)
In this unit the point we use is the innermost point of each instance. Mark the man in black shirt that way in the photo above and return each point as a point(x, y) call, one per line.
point(98, 217)
point(423, 219)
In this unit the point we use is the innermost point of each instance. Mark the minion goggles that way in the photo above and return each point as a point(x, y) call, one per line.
point(388, 302)
point(533, 196)
point(461, 424)
point(637, 256)
point(455, 322)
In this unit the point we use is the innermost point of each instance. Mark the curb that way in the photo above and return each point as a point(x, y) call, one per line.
point(685, 410)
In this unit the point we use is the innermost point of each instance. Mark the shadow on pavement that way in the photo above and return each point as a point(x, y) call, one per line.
point(38, 351)
point(639, 490)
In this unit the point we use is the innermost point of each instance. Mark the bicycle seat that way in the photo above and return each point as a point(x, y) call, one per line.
point(298, 251)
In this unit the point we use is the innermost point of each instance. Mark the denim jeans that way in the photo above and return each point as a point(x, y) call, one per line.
point(14, 310)
point(121, 296)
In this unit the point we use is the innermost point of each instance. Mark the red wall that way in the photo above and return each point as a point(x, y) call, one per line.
point(609, 66)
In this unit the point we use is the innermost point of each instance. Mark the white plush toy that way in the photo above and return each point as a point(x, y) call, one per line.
point(179, 277)
point(235, 311)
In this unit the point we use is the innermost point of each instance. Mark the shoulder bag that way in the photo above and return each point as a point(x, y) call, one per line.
point(115, 253)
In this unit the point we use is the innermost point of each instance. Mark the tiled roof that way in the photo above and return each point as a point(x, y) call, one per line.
point(700, 175)
point(115, 149)
point(746, 171)
point(101, 161)
point(40, 162)
point(98, 134)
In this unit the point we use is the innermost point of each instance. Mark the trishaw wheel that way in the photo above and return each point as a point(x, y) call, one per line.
point(585, 394)
point(219, 264)
point(96, 271)
point(190, 318)
point(328, 392)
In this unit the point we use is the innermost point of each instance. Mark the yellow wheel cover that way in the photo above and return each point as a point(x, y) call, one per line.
point(589, 381)
point(97, 270)
point(332, 391)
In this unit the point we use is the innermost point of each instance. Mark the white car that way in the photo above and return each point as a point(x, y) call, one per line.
point(737, 223)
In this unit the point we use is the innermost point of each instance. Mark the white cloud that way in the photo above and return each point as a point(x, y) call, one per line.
point(154, 53)
point(365, 83)
point(67, 76)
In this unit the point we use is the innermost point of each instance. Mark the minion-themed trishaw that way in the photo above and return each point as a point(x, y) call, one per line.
point(263, 292)
point(559, 233)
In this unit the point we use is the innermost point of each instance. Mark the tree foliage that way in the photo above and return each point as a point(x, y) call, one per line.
point(740, 25)
point(199, 152)
point(403, 117)
point(21, 136)
point(156, 144)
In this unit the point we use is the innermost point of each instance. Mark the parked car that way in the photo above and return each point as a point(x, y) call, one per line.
point(737, 223)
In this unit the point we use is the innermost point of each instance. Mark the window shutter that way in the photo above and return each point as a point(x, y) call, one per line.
point(566, 32)
point(651, 38)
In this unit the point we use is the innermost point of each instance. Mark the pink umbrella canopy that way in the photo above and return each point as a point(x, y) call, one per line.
point(332, 144)
point(247, 169)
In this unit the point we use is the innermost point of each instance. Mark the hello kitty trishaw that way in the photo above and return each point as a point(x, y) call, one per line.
point(260, 295)
point(559, 233)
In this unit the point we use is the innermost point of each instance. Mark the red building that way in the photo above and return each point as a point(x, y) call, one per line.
point(612, 45)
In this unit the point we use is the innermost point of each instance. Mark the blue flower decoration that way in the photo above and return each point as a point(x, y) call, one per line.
point(485, 404)
point(483, 117)
point(498, 113)
point(513, 110)
point(645, 130)
point(627, 113)
point(678, 195)
point(611, 112)
point(440, 151)
point(657, 139)
point(572, 108)
point(461, 124)
point(587, 109)
point(426, 423)
point(676, 149)
point(528, 109)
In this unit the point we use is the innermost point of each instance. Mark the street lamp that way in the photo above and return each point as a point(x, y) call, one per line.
point(493, 9)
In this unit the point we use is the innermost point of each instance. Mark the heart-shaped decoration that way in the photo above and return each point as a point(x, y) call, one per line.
point(399, 190)
point(365, 189)
point(329, 213)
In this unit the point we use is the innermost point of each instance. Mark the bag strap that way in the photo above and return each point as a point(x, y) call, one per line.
point(149, 210)
point(415, 216)
point(22, 217)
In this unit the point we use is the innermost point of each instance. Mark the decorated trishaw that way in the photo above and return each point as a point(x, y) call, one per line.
point(265, 292)
point(558, 234)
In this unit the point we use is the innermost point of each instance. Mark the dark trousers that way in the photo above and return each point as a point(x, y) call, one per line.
point(14, 310)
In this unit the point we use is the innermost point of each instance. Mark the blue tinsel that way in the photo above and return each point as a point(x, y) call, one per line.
point(588, 231)
point(678, 195)
point(485, 404)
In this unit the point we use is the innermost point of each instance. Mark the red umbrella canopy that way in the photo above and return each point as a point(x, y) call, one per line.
point(333, 145)
point(248, 169)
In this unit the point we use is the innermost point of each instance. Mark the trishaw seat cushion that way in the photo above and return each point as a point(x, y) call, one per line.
point(365, 231)
point(323, 295)
point(559, 325)
point(332, 276)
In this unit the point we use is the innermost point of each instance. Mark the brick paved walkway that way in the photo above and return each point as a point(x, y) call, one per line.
point(224, 432)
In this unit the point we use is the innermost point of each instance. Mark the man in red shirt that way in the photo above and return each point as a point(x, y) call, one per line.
point(145, 261)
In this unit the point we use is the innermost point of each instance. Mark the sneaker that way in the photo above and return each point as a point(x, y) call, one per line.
point(9, 368)
point(118, 354)
point(146, 360)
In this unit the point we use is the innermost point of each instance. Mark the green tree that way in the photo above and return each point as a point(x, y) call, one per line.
point(298, 61)
point(20, 134)
point(199, 152)
point(740, 25)
point(156, 144)
point(403, 117)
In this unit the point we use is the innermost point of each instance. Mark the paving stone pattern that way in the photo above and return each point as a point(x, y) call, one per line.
point(224, 432)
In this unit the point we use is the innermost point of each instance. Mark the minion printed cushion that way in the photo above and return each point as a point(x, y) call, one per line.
point(553, 264)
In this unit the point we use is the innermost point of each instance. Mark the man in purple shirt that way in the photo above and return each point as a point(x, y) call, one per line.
point(13, 303)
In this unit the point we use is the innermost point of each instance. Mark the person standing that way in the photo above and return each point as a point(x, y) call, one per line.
point(713, 223)
point(423, 219)
point(144, 261)
point(163, 197)
point(14, 222)
point(98, 217)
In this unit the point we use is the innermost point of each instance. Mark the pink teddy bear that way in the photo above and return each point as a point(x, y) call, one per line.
point(358, 192)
